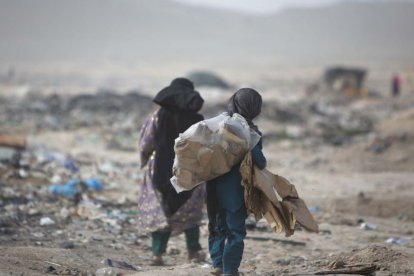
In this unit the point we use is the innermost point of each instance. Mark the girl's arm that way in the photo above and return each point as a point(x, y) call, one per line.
point(257, 156)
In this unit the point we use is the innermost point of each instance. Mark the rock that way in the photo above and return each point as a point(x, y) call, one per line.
point(68, 245)
point(203, 78)
point(293, 260)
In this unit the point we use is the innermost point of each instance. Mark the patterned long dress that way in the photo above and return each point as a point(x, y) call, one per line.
point(151, 216)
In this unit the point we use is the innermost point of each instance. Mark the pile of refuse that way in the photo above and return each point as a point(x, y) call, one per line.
point(319, 121)
point(316, 120)
point(40, 187)
point(58, 111)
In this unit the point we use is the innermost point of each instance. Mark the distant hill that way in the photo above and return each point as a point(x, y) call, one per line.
point(374, 30)
point(161, 30)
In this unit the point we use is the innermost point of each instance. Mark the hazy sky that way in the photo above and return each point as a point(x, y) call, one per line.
point(256, 6)
point(262, 6)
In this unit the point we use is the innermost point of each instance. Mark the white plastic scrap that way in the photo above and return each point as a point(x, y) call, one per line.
point(46, 221)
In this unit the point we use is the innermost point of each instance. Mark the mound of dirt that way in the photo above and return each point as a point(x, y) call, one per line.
point(372, 254)
point(382, 257)
point(392, 148)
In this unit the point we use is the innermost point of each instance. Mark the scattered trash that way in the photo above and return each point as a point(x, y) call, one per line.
point(205, 266)
point(250, 223)
point(56, 179)
point(325, 232)
point(73, 187)
point(293, 260)
point(17, 142)
point(381, 144)
point(119, 264)
point(68, 245)
point(38, 235)
point(368, 226)
point(291, 242)
point(106, 168)
point(7, 154)
point(314, 209)
point(46, 221)
point(94, 184)
point(398, 240)
point(23, 173)
point(107, 271)
point(71, 166)
point(262, 225)
point(69, 189)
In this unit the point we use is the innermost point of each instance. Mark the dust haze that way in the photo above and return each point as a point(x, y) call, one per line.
point(77, 80)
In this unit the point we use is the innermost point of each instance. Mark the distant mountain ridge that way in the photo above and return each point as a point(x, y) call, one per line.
point(161, 30)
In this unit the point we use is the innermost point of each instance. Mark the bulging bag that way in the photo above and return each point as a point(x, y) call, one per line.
point(211, 148)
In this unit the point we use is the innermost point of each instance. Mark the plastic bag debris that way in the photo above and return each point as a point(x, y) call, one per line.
point(73, 187)
point(46, 221)
point(398, 240)
point(210, 148)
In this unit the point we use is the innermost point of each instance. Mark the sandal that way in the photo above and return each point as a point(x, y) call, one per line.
point(157, 261)
point(196, 256)
point(217, 271)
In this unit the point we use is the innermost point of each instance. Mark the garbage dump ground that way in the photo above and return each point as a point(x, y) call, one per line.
point(68, 199)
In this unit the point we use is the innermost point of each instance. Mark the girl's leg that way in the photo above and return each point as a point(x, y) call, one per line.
point(233, 250)
point(159, 245)
point(192, 237)
point(216, 242)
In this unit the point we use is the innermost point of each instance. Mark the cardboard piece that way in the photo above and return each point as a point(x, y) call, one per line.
point(262, 192)
point(12, 141)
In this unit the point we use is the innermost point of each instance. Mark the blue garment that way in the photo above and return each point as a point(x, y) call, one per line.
point(226, 245)
point(226, 248)
point(228, 188)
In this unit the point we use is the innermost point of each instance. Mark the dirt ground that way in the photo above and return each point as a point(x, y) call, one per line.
point(361, 195)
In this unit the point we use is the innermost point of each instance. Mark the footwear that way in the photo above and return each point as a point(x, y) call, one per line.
point(196, 256)
point(157, 261)
point(217, 271)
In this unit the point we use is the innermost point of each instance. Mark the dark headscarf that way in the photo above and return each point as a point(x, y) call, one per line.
point(246, 102)
point(179, 106)
point(178, 96)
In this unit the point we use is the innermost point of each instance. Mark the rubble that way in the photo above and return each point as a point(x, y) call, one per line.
point(99, 220)
point(103, 108)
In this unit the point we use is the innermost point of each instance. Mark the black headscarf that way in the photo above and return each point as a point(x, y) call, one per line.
point(246, 102)
point(179, 106)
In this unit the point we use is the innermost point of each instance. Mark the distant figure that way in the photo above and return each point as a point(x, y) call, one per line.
point(163, 212)
point(395, 85)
